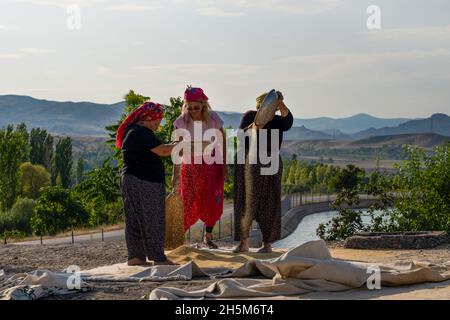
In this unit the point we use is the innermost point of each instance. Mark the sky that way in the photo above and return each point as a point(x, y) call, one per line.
point(319, 53)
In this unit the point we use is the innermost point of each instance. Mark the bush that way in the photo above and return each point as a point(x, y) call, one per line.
point(416, 198)
point(57, 210)
point(114, 212)
point(423, 191)
point(13, 234)
point(32, 178)
point(18, 218)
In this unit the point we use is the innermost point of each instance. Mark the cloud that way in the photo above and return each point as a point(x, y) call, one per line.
point(216, 12)
point(216, 8)
point(132, 7)
point(22, 53)
point(63, 3)
point(291, 6)
point(103, 71)
point(288, 6)
point(33, 51)
point(201, 69)
point(10, 55)
point(4, 28)
point(411, 34)
point(369, 67)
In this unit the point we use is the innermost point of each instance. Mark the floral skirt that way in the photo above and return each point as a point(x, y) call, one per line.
point(201, 189)
point(257, 197)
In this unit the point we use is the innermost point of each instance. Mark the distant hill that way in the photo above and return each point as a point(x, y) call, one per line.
point(64, 118)
point(232, 119)
point(90, 119)
point(423, 140)
point(348, 125)
point(438, 123)
point(336, 127)
point(303, 133)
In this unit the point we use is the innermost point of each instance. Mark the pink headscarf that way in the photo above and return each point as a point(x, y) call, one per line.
point(148, 109)
point(194, 95)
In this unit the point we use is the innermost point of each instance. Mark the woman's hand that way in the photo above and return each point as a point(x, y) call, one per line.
point(280, 96)
point(253, 126)
point(164, 150)
point(281, 106)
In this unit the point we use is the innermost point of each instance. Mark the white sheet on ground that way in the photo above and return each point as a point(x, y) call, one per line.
point(307, 268)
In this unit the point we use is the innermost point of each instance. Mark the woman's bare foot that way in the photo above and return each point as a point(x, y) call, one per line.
point(138, 262)
point(242, 247)
point(207, 241)
point(166, 262)
point(266, 248)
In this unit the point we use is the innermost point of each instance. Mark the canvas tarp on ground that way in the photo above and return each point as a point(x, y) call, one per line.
point(304, 269)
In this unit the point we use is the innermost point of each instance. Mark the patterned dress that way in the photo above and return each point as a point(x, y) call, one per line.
point(256, 196)
point(201, 185)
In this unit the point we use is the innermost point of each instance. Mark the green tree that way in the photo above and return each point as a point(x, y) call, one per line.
point(63, 160)
point(349, 221)
point(57, 210)
point(13, 151)
point(41, 148)
point(422, 187)
point(18, 218)
point(32, 178)
point(99, 189)
point(80, 170)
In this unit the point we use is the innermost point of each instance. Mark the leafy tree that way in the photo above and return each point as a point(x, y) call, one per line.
point(41, 148)
point(13, 151)
point(422, 187)
point(18, 218)
point(32, 178)
point(99, 190)
point(63, 160)
point(57, 210)
point(349, 221)
point(80, 170)
point(416, 198)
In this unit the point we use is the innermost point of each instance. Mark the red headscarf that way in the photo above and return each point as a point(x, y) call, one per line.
point(148, 109)
point(194, 95)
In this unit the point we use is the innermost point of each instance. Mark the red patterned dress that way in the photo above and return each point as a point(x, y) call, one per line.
point(201, 185)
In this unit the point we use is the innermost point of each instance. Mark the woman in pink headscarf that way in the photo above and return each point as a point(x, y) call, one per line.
point(200, 184)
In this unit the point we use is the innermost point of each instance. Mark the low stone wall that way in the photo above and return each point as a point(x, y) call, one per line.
point(397, 240)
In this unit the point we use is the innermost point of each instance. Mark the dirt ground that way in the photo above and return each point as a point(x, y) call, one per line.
point(87, 255)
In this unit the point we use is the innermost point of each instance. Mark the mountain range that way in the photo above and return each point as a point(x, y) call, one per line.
point(90, 119)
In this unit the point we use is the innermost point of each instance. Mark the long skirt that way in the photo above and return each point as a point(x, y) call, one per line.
point(144, 204)
point(257, 197)
point(201, 189)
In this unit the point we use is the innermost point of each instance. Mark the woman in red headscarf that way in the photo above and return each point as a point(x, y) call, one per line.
point(201, 183)
point(143, 184)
